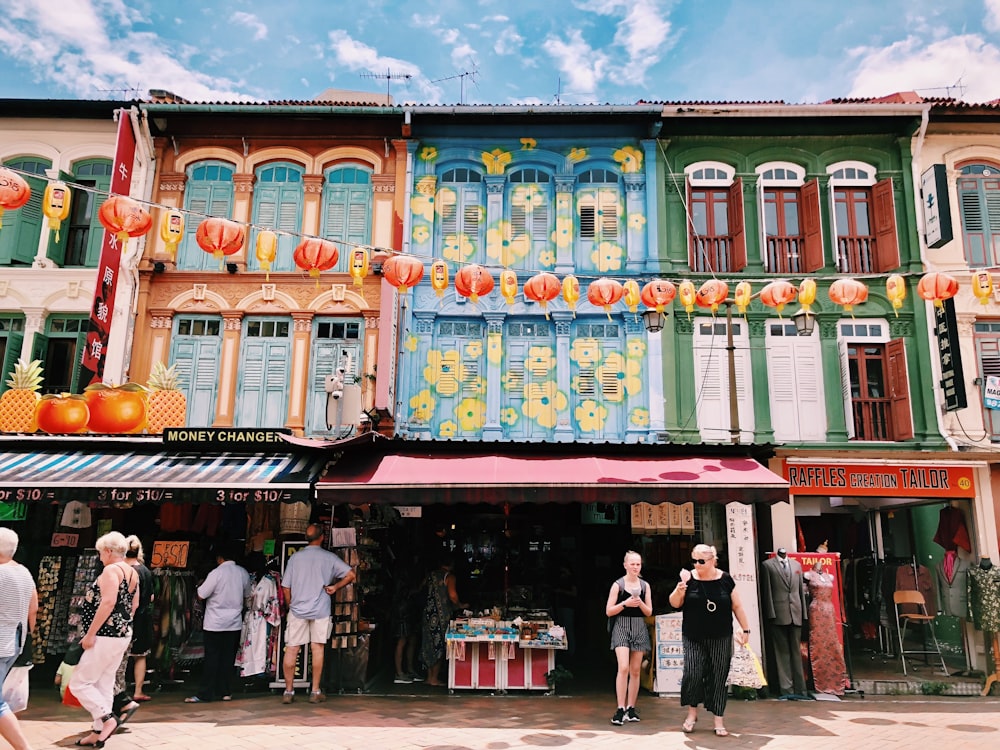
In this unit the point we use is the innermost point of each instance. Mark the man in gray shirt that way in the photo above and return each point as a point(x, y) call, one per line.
point(225, 592)
point(312, 575)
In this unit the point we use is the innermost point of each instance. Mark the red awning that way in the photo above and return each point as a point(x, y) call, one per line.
point(421, 479)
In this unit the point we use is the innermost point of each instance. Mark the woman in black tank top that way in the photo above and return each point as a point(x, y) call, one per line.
point(629, 603)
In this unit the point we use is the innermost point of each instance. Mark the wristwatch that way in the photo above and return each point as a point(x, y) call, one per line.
point(746, 631)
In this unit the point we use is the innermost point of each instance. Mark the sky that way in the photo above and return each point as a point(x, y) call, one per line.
point(492, 52)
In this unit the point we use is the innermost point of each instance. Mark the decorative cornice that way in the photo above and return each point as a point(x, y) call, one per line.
point(161, 321)
point(384, 183)
point(312, 183)
point(232, 320)
point(243, 182)
point(172, 182)
point(684, 326)
point(372, 318)
point(899, 327)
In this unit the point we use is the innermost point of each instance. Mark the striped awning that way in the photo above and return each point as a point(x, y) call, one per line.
point(132, 476)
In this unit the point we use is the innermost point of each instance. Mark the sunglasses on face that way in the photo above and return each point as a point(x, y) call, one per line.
point(697, 561)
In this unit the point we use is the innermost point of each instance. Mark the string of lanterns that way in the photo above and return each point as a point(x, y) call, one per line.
point(125, 217)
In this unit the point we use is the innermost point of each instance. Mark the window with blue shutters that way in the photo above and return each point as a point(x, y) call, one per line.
point(83, 233)
point(208, 192)
point(987, 340)
point(22, 227)
point(979, 202)
point(601, 236)
point(347, 210)
point(529, 203)
point(455, 375)
point(277, 205)
point(195, 349)
point(601, 379)
point(460, 216)
point(528, 401)
point(265, 365)
point(334, 342)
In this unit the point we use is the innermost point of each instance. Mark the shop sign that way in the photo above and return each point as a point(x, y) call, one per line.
point(880, 480)
point(741, 552)
point(65, 540)
point(952, 375)
point(169, 554)
point(224, 438)
point(937, 208)
point(125, 496)
point(409, 511)
point(991, 394)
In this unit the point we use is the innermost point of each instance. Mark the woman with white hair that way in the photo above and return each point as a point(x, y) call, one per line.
point(17, 619)
point(708, 598)
point(106, 623)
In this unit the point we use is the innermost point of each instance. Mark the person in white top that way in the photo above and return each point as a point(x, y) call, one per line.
point(17, 619)
point(225, 591)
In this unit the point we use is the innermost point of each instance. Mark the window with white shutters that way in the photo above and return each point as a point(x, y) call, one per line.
point(795, 384)
point(987, 339)
point(712, 389)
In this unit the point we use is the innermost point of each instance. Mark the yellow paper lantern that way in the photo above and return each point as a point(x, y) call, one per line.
point(895, 290)
point(359, 265)
point(55, 204)
point(508, 286)
point(632, 295)
point(982, 286)
point(571, 291)
point(172, 231)
point(742, 296)
point(266, 250)
point(807, 294)
point(439, 277)
point(686, 294)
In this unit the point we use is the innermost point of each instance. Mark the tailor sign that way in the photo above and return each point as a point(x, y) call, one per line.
point(880, 480)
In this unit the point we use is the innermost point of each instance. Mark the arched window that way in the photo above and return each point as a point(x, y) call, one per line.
point(979, 203)
point(529, 214)
point(22, 228)
point(277, 205)
point(599, 205)
point(792, 236)
point(461, 211)
point(347, 209)
point(716, 239)
point(208, 192)
point(864, 219)
point(82, 238)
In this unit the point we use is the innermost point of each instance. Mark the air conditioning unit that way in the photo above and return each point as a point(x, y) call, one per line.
point(343, 406)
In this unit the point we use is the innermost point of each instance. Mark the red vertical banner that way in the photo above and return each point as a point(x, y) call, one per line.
point(102, 310)
point(830, 563)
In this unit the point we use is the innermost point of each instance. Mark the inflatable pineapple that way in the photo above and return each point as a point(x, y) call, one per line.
point(17, 406)
point(166, 404)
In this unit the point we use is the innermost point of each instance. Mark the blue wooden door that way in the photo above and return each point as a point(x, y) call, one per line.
point(195, 349)
point(265, 364)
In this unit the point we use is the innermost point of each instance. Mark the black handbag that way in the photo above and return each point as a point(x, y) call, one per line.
point(26, 657)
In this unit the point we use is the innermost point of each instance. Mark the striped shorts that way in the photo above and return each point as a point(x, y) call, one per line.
point(631, 632)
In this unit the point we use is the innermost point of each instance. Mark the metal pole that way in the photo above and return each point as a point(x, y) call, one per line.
point(734, 409)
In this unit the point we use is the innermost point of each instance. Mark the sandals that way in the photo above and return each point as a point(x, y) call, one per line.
point(688, 725)
point(721, 732)
point(102, 737)
point(127, 712)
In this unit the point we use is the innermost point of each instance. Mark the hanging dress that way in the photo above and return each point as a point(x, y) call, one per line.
point(826, 655)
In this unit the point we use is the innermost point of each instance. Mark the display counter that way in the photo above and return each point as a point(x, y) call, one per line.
point(485, 654)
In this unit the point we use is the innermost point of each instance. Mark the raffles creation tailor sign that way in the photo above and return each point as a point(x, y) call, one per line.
point(102, 310)
point(880, 480)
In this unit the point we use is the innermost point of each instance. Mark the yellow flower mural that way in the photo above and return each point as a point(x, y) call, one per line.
point(512, 381)
point(540, 361)
point(509, 416)
point(496, 160)
point(410, 343)
point(630, 158)
point(471, 414)
point(422, 406)
point(448, 429)
point(528, 144)
point(636, 221)
point(494, 348)
point(607, 256)
point(457, 248)
point(543, 402)
point(636, 348)
point(585, 351)
point(547, 258)
point(619, 377)
point(421, 233)
point(577, 154)
point(562, 235)
point(444, 371)
point(474, 349)
point(528, 197)
point(476, 385)
point(423, 206)
point(428, 153)
point(503, 248)
point(590, 416)
point(639, 417)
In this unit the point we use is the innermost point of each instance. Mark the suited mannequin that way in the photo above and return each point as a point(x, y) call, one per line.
point(783, 601)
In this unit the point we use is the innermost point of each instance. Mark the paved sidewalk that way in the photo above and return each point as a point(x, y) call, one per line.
point(509, 722)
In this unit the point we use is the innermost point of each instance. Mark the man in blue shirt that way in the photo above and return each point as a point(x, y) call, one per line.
point(225, 591)
point(312, 575)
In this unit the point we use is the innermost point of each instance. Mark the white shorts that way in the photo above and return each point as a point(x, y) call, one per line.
point(300, 632)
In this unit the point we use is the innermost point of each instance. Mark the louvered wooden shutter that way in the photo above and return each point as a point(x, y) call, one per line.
point(887, 244)
point(899, 390)
point(812, 228)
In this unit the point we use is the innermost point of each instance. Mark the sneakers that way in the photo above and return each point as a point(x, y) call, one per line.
point(287, 697)
point(630, 714)
point(403, 679)
point(317, 697)
point(619, 717)
point(415, 677)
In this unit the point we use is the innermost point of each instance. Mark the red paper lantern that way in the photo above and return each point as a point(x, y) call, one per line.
point(403, 272)
point(777, 294)
point(658, 293)
point(711, 294)
point(542, 288)
point(848, 293)
point(315, 255)
point(605, 293)
point(124, 218)
point(14, 191)
point(937, 287)
point(473, 281)
point(220, 237)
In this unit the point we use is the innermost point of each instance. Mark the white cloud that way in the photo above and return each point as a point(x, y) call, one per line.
point(582, 67)
point(991, 21)
point(508, 41)
point(912, 64)
point(643, 33)
point(421, 21)
point(251, 22)
point(358, 56)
